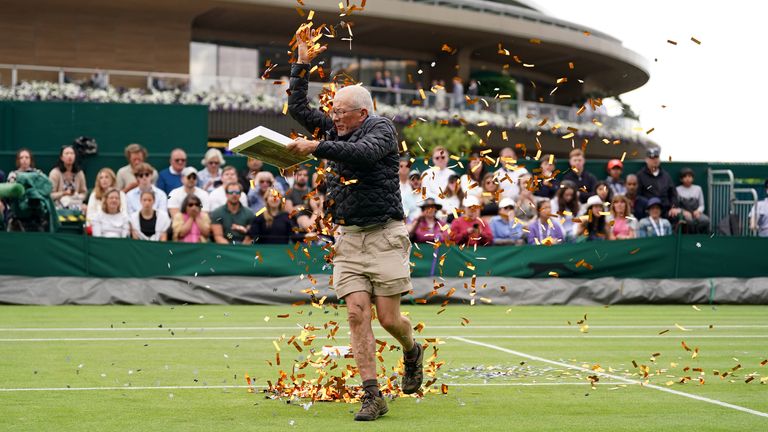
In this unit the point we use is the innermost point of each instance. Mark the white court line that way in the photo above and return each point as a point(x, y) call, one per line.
point(381, 336)
point(614, 377)
point(260, 328)
point(512, 384)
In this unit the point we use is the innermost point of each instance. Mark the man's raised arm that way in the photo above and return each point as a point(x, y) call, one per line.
point(298, 103)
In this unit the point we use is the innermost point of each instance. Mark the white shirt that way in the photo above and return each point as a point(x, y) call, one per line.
point(162, 223)
point(110, 225)
point(436, 180)
point(133, 199)
point(511, 190)
point(177, 196)
point(94, 206)
point(218, 198)
point(762, 217)
point(410, 206)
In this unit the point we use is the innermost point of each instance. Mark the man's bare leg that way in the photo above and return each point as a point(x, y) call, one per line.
point(363, 342)
point(390, 318)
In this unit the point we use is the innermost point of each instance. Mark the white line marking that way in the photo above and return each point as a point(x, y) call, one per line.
point(614, 377)
point(381, 336)
point(511, 384)
point(261, 328)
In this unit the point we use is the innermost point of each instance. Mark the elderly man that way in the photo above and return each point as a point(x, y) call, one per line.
point(371, 263)
point(170, 178)
point(655, 182)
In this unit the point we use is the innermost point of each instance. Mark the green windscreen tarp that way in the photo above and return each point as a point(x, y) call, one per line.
point(40, 254)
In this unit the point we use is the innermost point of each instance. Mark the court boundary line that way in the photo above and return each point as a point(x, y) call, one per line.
point(234, 387)
point(261, 328)
point(384, 336)
point(614, 377)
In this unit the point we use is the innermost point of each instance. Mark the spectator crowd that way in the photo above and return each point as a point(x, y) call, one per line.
point(487, 201)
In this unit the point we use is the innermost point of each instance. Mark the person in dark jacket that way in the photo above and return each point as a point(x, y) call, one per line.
point(584, 181)
point(655, 182)
point(371, 262)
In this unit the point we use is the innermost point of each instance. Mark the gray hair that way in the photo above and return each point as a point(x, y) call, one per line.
point(213, 153)
point(359, 97)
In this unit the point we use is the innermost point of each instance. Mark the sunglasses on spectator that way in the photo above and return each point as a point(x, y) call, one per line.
point(265, 181)
point(509, 207)
point(439, 157)
point(213, 162)
point(179, 160)
point(233, 192)
point(139, 175)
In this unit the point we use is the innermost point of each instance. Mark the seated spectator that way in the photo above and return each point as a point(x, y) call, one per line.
point(68, 180)
point(414, 179)
point(210, 177)
point(593, 225)
point(470, 229)
point(248, 175)
point(545, 230)
point(230, 222)
point(136, 155)
point(450, 199)
point(615, 167)
point(191, 224)
point(508, 174)
point(603, 190)
point(525, 206)
point(273, 226)
point(639, 203)
point(148, 223)
point(144, 174)
point(311, 219)
point(105, 180)
point(654, 225)
point(435, 179)
point(758, 215)
point(170, 178)
point(264, 181)
point(623, 221)
point(298, 192)
point(653, 181)
point(111, 221)
point(505, 229)
point(427, 228)
point(189, 177)
point(584, 181)
point(407, 194)
point(218, 197)
point(489, 196)
point(690, 199)
point(25, 162)
point(566, 205)
point(547, 184)
point(472, 180)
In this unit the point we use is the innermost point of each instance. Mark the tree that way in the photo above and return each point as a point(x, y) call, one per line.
point(422, 137)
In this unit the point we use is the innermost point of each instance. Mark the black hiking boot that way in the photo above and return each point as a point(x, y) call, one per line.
point(414, 372)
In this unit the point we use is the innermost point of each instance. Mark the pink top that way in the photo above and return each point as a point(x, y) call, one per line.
point(193, 236)
point(620, 227)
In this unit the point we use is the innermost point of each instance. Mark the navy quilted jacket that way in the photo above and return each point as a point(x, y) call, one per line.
point(368, 155)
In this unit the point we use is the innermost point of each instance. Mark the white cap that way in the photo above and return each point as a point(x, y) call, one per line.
point(594, 200)
point(187, 171)
point(505, 202)
point(471, 201)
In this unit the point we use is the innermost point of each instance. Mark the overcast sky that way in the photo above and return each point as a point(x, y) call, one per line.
point(715, 93)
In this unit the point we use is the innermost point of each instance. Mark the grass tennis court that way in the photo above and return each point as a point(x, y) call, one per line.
point(510, 368)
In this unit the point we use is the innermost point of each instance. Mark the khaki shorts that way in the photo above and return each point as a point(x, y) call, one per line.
point(376, 261)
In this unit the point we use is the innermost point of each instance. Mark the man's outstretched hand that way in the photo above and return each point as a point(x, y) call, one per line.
point(306, 46)
point(302, 147)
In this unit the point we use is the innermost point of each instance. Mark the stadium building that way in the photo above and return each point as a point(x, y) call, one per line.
point(530, 65)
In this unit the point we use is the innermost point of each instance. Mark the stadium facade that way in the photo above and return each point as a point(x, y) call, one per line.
point(420, 41)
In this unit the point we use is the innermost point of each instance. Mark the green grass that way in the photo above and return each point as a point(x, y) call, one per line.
point(200, 347)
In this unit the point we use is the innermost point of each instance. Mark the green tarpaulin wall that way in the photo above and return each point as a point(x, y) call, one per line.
point(39, 254)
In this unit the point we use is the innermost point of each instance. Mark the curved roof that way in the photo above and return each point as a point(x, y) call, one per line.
point(417, 29)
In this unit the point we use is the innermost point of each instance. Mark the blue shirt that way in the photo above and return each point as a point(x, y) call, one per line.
point(505, 230)
point(650, 228)
point(133, 200)
point(168, 181)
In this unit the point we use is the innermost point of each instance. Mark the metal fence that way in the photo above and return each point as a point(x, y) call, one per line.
point(726, 200)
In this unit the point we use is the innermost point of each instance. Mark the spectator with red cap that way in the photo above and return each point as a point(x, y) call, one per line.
point(615, 181)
